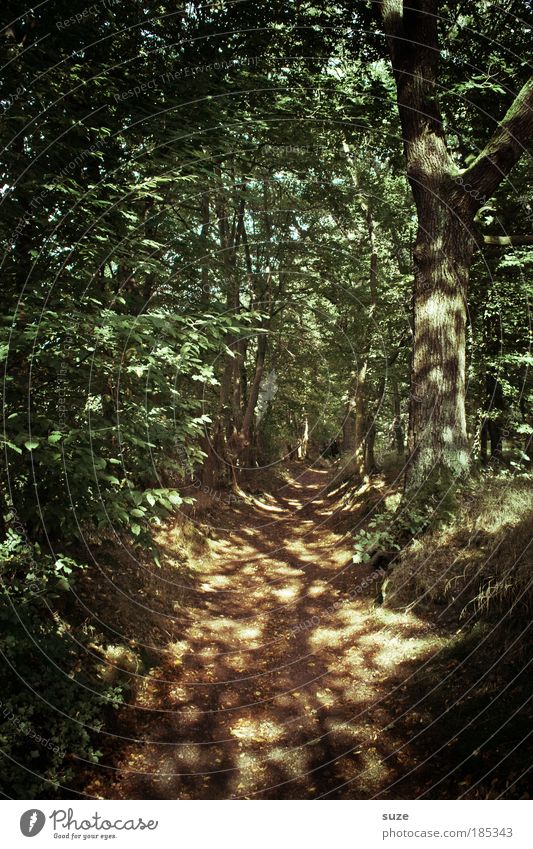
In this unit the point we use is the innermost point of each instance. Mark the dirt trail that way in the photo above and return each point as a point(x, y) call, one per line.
point(286, 673)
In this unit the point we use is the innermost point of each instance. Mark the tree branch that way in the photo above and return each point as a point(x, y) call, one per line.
point(504, 149)
point(504, 241)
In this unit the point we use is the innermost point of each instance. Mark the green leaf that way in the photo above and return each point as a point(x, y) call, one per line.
point(12, 446)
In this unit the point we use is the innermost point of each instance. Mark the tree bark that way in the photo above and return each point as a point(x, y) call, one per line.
point(446, 202)
point(303, 450)
point(397, 429)
point(248, 420)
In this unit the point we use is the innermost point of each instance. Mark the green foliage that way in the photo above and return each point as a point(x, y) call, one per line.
point(51, 705)
point(152, 228)
point(111, 405)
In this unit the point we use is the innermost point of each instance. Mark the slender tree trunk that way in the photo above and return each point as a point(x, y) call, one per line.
point(349, 442)
point(360, 416)
point(206, 291)
point(304, 444)
point(397, 429)
point(483, 450)
point(371, 466)
point(247, 431)
point(495, 405)
point(230, 385)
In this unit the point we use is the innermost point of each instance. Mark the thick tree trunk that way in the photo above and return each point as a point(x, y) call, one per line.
point(438, 444)
point(446, 201)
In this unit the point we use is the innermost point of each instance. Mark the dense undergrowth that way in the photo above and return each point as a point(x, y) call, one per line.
point(477, 561)
point(470, 570)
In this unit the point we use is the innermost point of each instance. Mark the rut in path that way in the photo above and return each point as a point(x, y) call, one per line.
point(284, 678)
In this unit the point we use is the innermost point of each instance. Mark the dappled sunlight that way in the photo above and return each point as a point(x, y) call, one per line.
point(286, 593)
point(278, 686)
point(261, 731)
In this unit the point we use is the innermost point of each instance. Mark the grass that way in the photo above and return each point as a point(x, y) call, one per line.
point(478, 563)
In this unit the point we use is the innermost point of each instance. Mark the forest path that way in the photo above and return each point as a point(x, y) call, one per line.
point(285, 675)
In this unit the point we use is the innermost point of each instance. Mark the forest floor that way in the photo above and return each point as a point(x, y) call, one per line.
point(284, 679)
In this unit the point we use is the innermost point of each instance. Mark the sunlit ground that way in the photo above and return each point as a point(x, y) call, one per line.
point(280, 685)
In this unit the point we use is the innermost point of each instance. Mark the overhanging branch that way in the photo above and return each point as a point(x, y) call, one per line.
point(505, 241)
point(504, 149)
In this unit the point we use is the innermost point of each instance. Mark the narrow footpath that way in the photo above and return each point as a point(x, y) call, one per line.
point(287, 677)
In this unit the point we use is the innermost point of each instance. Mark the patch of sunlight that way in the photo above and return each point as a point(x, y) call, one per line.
point(326, 697)
point(393, 617)
point(288, 571)
point(220, 580)
point(222, 624)
point(316, 589)
point(351, 615)
point(249, 632)
point(250, 776)
point(447, 435)
point(206, 652)
point(391, 501)
point(237, 662)
point(327, 637)
point(434, 305)
point(256, 731)
point(373, 769)
point(229, 698)
point(188, 755)
point(286, 593)
point(164, 773)
point(179, 694)
point(294, 762)
point(344, 734)
point(398, 650)
point(354, 688)
point(270, 508)
point(178, 648)
point(189, 714)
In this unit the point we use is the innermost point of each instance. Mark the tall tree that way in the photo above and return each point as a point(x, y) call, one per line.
point(447, 200)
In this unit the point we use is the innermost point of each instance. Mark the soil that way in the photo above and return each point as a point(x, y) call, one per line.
point(284, 678)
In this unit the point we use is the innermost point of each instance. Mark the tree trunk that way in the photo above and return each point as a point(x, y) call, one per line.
point(397, 429)
point(446, 201)
point(371, 466)
point(204, 237)
point(247, 434)
point(360, 417)
point(483, 450)
point(230, 384)
point(303, 450)
point(438, 444)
